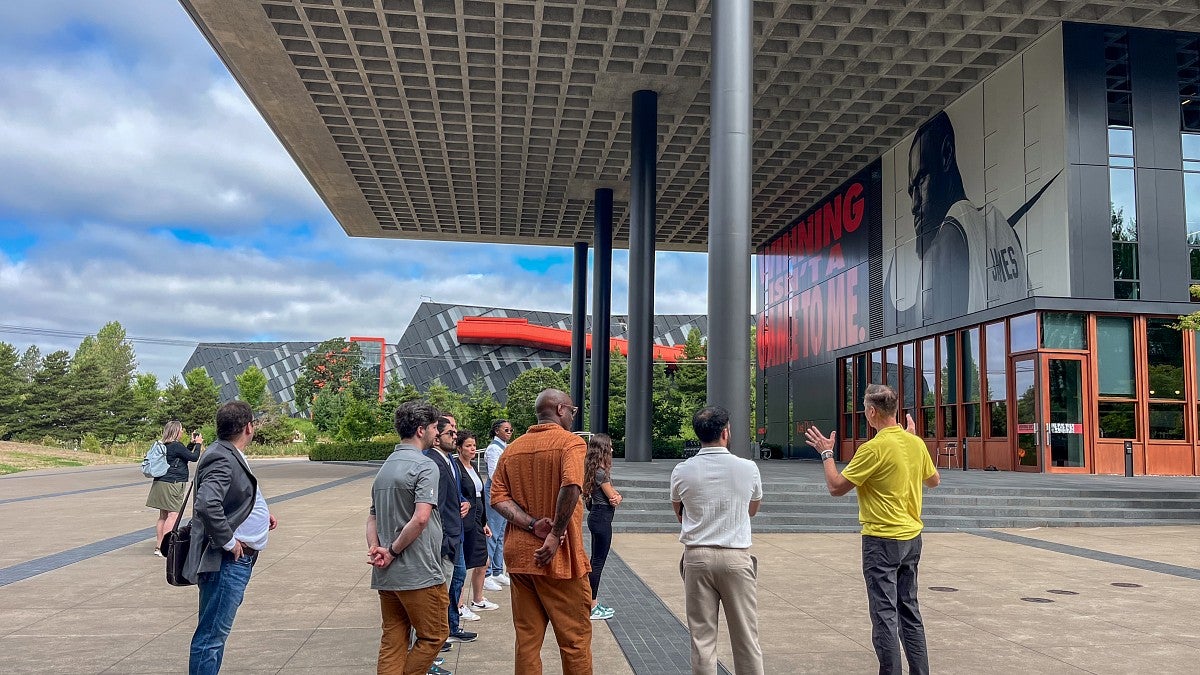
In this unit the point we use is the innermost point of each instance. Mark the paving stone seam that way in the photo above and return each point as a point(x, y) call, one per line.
point(54, 561)
point(1092, 554)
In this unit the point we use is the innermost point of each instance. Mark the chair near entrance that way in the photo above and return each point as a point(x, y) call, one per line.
point(949, 450)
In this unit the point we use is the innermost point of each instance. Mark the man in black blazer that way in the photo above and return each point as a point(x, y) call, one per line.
point(452, 508)
point(230, 525)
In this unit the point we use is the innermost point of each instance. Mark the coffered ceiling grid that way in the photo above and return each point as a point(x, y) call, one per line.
point(481, 121)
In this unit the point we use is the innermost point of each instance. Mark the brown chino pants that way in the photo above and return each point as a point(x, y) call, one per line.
point(422, 610)
point(567, 605)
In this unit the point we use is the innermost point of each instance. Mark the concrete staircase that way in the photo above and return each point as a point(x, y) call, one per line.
point(805, 506)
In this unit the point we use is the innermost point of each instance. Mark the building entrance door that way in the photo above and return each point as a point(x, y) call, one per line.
point(1026, 402)
point(1064, 381)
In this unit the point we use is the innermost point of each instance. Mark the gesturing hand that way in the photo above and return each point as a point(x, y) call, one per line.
point(912, 425)
point(816, 439)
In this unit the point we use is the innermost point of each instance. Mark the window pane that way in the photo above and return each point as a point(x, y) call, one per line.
point(1191, 202)
point(1125, 261)
point(948, 370)
point(862, 425)
point(1195, 263)
point(1164, 352)
point(908, 397)
point(848, 385)
point(876, 368)
point(1166, 421)
point(1064, 331)
point(893, 369)
point(928, 422)
point(970, 371)
point(1120, 141)
point(1126, 290)
point(1118, 419)
point(998, 414)
point(860, 381)
point(1023, 331)
point(928, 368)
point(949, 422)
point(971, 423)
point(1191, 146)
point(997, 362)
point(1114, 355)
point(847, 427)
point(1122, 204)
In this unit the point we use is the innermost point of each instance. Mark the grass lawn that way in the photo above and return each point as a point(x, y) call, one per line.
point(16, 457)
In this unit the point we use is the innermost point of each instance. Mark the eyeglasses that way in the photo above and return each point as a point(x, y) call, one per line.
point(449, 432)
point(573, 408)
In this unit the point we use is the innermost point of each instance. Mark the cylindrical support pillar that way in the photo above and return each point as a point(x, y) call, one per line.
point(729, 182)
point(601, 308)
point(579, 328)
point(643, 141)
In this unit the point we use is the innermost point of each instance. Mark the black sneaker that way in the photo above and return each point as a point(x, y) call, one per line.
point(462, 636)
point(446, 647)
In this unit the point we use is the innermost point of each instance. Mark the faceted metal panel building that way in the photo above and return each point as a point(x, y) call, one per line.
point(428, 352)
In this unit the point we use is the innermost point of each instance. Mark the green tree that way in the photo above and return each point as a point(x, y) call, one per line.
point(86, 405)
point(44, 413)
point(446, 400)
point(252, 386)
point(396, 393)
point(30, 361)
point(12, 385)
point(523, 391)
point(618, 382)
point(691, 374)
point(327, 410)
point(111, 350)
point(333, 365)
point(481, 409)
point(358, 419)
point(124, 416)
point(146, 401)
point(666, 409)
point(200, 402)
point(173, 402)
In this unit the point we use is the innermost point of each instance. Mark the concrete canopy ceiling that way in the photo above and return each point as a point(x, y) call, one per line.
point(463, 120)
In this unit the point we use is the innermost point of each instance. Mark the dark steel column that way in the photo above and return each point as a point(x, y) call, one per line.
point(601, 308)
point(729, 218)
point(579, 329)
point(643, 172)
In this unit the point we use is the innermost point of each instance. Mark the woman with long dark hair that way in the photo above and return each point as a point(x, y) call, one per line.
point(475, 530)
point(601, 498)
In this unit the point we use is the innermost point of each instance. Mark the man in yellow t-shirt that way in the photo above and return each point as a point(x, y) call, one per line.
point(889, 471)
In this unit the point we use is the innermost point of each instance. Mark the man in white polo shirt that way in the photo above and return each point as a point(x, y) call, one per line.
point(715, 494)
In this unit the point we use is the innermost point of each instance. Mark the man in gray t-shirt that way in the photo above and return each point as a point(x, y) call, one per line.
point(404, 539)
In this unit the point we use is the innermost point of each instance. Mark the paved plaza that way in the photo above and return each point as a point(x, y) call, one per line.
point(80, 592)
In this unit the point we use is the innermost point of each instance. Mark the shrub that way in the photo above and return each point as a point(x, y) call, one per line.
point(357, 451)
point(91, 443)
point(669, 448)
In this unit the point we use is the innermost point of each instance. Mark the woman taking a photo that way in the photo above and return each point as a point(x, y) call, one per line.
point(601, 498)
point(167, 491)
point(475, 530)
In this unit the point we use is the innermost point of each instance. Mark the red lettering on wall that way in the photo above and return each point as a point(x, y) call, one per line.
point(855, 207)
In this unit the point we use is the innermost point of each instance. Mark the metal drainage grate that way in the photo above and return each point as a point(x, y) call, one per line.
point(1038, 600)
point(943, 589)
point(1061, 592)
point(1125, 584)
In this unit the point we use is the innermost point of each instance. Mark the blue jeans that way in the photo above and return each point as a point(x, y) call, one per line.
point(495, 543)
point(456, 585)
point(221, 594)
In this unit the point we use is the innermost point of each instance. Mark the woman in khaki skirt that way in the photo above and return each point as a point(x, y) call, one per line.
point(167, 491)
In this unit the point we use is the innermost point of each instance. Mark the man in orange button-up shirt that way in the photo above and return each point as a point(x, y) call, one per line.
point(536, 488)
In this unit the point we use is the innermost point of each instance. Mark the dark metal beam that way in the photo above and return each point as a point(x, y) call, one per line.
point(643, 174)
point(579, 328)
point(601, 308)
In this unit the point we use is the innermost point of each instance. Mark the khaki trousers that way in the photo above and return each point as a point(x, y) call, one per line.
point(422, 611)
point(567, 605)
point(713, 577)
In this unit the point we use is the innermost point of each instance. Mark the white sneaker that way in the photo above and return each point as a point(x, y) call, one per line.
point(490, 584)
point(484, 605)
point(465, 613)
point(503, 578)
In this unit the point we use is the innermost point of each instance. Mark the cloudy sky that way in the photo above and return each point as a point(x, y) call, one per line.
point(140, 185)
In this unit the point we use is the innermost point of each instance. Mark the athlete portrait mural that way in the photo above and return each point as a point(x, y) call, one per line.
point(965, 214)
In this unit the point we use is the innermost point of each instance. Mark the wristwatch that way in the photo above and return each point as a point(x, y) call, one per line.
point(393, 551)
point(827, 454)
point(529, 527)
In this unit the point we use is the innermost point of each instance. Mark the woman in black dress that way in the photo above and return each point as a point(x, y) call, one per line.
point(475, 530)
point(167, 491)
